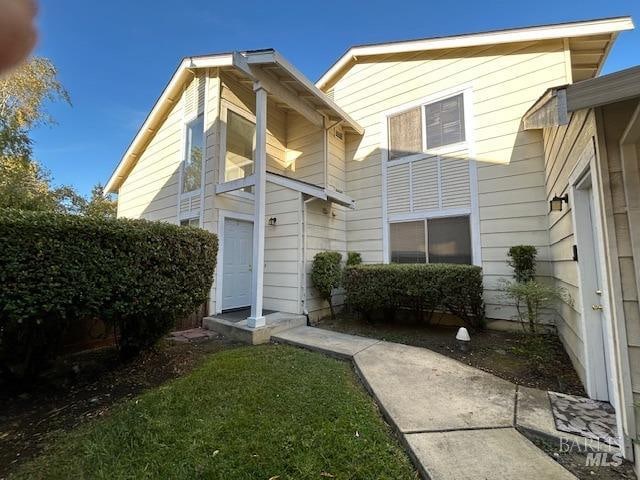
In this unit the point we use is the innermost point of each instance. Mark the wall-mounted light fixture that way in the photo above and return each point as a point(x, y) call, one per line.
point(555, 204)
point(272, 221)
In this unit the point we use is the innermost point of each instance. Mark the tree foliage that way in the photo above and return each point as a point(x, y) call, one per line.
point(25, 185)
point(24, 92)
point(99, 205)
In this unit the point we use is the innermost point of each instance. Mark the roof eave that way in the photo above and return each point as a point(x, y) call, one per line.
point(547, 32)
point(169, 97)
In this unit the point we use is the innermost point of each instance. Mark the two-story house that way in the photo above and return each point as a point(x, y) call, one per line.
point(440, 149)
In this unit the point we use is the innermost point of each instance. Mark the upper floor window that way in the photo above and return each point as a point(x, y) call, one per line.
point(240, 142)
point(426, 127)
point(194, 154)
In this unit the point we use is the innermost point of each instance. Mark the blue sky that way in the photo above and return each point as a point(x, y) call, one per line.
point(115, 57)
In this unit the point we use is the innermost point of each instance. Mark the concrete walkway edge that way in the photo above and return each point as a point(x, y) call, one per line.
point(473, 416)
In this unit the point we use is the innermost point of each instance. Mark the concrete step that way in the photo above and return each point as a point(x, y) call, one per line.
point(275, 323)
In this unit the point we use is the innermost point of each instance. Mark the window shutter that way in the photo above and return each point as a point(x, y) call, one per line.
point(455, 183)
point(190, 206)
point(201, 84)
point(424, 180)
point(445, 122)
point(190, 99)
point(398, 189)
point(405, 133)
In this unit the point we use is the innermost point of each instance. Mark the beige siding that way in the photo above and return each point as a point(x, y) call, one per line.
point(150, 190)
point(243, 97)
point(563, 146)
point(283, 250)
point(611, 124)
point(505, 80)
point(325, 230)
point(305, 156)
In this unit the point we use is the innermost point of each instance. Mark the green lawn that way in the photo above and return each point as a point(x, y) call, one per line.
point(248, 413)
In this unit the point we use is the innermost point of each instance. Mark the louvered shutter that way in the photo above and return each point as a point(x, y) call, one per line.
point(398, 189)
point(424, 180)
point(456, 191)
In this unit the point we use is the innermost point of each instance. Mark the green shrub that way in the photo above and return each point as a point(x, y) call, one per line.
point(326, 275)
point(353, 258)
point(427, 287)
point(522, 258)
point(530, 298)
point(137, 276)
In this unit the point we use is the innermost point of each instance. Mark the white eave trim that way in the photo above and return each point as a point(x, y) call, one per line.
point(169, 97)
point(547, 32)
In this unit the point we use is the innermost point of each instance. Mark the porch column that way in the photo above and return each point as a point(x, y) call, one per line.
point(260, 172)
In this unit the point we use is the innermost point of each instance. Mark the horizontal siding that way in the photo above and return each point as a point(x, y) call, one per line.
point(505, 80)
point(282, 272)
point(563, 146)
point(614, 120)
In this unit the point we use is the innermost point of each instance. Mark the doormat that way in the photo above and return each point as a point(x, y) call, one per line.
point(585, 417)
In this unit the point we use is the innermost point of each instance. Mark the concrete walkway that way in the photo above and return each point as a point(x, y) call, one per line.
point(457, 422)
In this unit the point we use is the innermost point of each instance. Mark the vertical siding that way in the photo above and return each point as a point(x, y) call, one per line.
point(505, 80)
point(564, 145)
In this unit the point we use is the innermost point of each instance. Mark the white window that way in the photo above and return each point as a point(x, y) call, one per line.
point(240, 144)
point(190, 222)
point(427, 127)
point(194, 155)
point(432, 240)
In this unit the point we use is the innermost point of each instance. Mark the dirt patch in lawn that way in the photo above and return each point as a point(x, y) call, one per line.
point(539, 362)
point(85, 386)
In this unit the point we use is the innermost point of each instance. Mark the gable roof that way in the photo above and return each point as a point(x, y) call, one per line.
point(590, 52)
point(266, 66)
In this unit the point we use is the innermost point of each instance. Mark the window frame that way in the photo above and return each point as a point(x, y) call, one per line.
point(188, 219)
point(200, 111)
point(425, 220)
point(469, 145)
point(225, 106)
point(185, 153)
point(422, 104)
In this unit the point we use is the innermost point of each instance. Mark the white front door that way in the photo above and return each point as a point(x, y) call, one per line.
point(595, 314)
point(237, 255)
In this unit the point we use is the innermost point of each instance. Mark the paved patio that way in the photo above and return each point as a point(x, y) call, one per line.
point(458, 422)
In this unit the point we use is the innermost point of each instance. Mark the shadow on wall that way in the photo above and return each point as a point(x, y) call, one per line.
point(512, 207)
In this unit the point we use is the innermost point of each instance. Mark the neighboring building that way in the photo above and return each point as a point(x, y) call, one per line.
point(418, 151)
point(591, 132)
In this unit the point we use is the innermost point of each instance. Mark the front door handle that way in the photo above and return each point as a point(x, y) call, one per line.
point(596, 307)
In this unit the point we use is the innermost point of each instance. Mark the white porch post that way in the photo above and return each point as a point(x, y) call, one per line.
point(260, 172)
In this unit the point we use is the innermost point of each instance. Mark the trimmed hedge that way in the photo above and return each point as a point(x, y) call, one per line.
point(137, 276)
point(456, 289)
point(326, 275)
